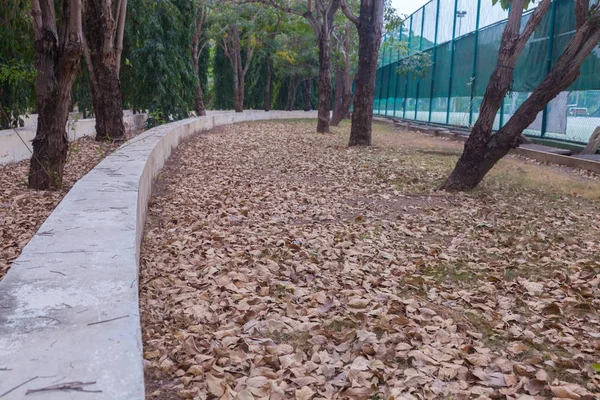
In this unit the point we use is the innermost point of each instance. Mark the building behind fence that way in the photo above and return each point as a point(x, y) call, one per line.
point(461, 39)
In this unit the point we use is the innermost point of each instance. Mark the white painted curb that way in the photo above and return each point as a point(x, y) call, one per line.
point(69, 304)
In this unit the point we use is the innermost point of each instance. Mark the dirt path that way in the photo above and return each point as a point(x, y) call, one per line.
point(279, 264)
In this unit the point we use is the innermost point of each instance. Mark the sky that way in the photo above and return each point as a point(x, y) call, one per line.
point(408, 6)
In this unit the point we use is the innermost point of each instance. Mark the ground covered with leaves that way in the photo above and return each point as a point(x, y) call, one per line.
point(279, 264)
point(23, 210)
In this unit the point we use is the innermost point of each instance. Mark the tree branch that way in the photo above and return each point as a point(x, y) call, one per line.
point(581, 11)
point(36, 13)
point(348, 13)
point(88, 59)
point(330, 15)
point(120, 33)
point(532, 24)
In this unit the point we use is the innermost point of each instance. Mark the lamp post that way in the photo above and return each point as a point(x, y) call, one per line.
point(460, 15)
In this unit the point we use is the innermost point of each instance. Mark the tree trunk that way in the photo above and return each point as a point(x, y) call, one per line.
point(593, 143)
point(295, 94)
point(199, 100)
point(307, 95)
point(291, 84)
point(99, 28)
point(324, 82)
point(196, 50)
point(267, 104)
point(107, 101)
point(56, 62)
point(483, 150)
point(370, 25)
point(338, 97)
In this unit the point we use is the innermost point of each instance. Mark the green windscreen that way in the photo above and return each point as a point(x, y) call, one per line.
point(462, 38)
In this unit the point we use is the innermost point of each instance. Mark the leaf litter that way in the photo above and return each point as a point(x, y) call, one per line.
point(278, 264)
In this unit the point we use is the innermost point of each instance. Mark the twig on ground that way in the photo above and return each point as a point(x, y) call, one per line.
point(58, 272)
point(18, 386)
point(108, 320)
point(75, 386)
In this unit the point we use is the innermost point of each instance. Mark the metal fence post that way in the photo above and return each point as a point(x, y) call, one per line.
point(451, 63)
point(437, 20)
point(474, 68)
point(420, 49)
point(396, 85)
point(406, 76)
point(387, 92)
point(549, 61)
point(381, 75)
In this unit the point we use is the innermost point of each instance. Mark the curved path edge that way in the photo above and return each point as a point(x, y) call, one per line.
point(69, 309)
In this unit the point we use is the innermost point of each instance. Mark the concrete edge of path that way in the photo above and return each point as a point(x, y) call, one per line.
point(69, 310)
point(538, 155)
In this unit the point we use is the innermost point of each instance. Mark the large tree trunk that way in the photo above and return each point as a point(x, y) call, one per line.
point(324, 82)
point(56, 61)
point(483, 150)
point(307, 95)
point(107, 101)
point(267, 104)
point(369, 24)
point(99, 28)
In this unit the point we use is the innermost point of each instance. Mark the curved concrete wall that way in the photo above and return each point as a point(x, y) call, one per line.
point(69, 304)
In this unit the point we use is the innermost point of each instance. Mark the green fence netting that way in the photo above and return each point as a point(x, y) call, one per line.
point(462, 38)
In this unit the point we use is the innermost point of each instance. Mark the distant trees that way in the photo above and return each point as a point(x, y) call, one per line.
point(320, 15)
point(484, 149)
point(297, 63)
point(17, 73)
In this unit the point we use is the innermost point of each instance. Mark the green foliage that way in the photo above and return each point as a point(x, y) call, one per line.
point(418, 64)
point(222, 91)
point(16, 77)
point(505, 4)
point(157, 74)
point(82, 91)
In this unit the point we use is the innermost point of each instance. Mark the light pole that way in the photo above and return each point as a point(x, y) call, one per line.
point(460, 15)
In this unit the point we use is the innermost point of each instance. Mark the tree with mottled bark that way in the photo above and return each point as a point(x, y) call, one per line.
point(320, 15)
point(484, 149)
point(58, 50)
point(103, 28)
point(369, 24)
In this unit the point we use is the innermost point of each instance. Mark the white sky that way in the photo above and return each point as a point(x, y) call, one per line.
point(408, 6)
